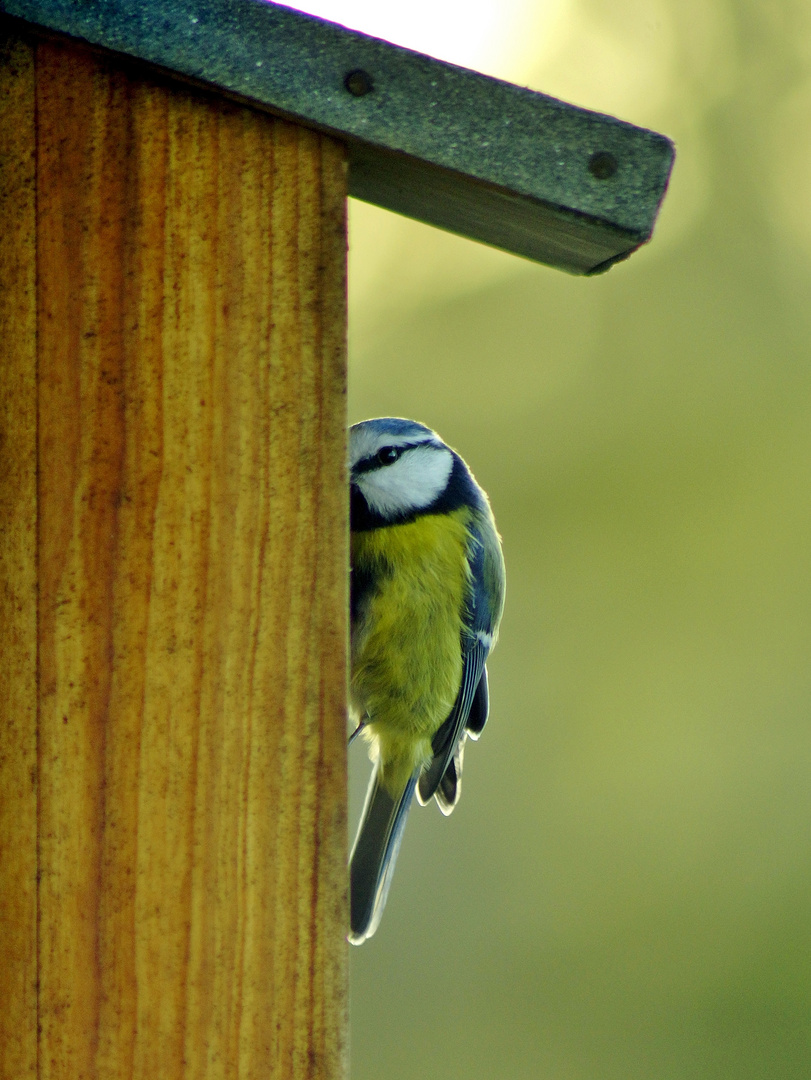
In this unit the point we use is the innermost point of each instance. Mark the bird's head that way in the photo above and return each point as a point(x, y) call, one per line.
point(398, 469)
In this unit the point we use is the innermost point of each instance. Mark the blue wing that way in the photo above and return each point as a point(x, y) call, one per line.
point(442, 778)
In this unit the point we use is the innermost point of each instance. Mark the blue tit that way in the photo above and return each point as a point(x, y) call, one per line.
point(427, 592)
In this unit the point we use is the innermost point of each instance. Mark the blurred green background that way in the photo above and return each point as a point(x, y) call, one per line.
point(624, 890)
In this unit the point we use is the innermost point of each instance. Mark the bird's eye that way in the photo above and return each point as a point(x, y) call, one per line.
point(388, 455)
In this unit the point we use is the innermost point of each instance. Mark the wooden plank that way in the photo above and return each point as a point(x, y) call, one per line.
point(478, 156)
point(18, 565)
point(192, 530)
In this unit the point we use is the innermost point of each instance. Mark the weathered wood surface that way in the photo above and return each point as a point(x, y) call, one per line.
point(174, 704)
point(18, 566)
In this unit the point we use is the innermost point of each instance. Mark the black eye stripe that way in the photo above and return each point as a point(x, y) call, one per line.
point(386, 455)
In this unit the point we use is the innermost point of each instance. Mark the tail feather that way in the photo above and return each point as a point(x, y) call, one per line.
point(374, 854)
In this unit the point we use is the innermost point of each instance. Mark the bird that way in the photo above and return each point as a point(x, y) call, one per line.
point(426, 597)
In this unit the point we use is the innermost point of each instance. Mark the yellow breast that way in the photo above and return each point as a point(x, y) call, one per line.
point(406, 655)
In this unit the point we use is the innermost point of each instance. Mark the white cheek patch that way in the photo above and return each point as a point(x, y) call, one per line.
point(411, 483)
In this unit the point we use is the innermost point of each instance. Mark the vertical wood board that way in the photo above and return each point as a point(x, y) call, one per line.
point(191, 538)
point(18, 565)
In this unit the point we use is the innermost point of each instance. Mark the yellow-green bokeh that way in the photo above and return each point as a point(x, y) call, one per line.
point(624, 892)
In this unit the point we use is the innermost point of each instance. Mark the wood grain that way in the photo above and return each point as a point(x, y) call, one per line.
point(191, 531)
point(18, 565)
